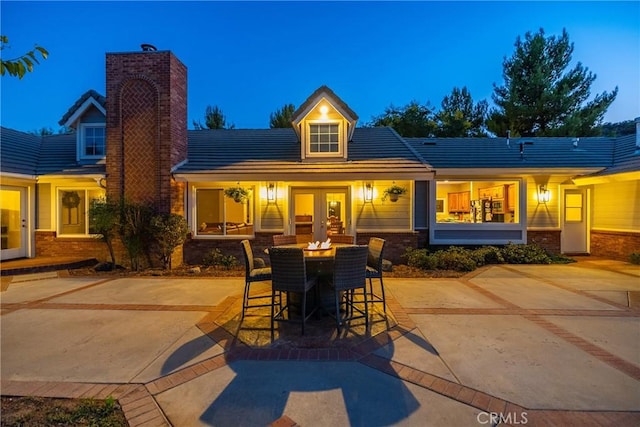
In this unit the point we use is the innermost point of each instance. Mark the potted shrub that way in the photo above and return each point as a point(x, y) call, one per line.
point(238, 194)
point(393, 193)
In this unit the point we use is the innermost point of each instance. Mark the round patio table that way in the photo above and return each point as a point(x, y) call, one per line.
point(320, 264)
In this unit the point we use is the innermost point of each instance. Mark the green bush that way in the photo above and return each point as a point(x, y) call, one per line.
point(216, 258)
point(525, 254)
point(634, 258)
point(420, 258)
point(460, 259)
point(169, 231)
point(456, 259)
point(487, 255)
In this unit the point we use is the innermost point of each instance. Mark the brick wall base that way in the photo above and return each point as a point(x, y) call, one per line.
point(396, 246)
point(549, 240)
point(614, 244)
point(196, 249)
point(49, 245)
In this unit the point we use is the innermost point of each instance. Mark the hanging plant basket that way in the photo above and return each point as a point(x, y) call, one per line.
point(238, 194)
point(393, 193)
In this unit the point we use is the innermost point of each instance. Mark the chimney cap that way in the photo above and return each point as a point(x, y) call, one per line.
point(148, 47)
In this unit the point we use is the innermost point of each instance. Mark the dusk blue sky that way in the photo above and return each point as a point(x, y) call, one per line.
point(250, 58)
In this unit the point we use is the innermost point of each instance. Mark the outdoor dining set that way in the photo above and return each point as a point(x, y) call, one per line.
point(331, 278)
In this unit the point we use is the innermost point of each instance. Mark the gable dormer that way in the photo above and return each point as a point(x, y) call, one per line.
point(88, 117)
point(324, 125)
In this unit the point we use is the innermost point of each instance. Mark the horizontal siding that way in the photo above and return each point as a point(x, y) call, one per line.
point(616, 206)
point(544, 214)
point(384, 216)
point(271, 217)
point(43, 202)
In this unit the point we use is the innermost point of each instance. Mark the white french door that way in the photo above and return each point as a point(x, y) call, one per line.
point(13, 222)
point(316, 213)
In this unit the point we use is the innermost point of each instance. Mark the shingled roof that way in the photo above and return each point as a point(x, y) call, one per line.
point(625, 157)
point(325, 90)
point(19, 153)
point(518, 153)
point(58, 157)
point(377, 152)
point(101, 100)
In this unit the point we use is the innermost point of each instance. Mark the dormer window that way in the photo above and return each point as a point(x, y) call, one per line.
point(88, 116)
point(324, 125)
point(92, 141)
point(324, 138)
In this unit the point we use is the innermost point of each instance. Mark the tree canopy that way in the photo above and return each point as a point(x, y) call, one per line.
point(412, 120)
point(214, 118)
point(18, 67)
point(460, 117)
point(540, 97)
point(282, 117)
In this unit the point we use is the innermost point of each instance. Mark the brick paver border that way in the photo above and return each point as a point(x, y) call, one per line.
point(141, 409)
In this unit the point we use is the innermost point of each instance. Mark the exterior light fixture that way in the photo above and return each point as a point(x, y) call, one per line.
point(544, 195)
point(271, 192)
point(368, 192)
point(324, 110)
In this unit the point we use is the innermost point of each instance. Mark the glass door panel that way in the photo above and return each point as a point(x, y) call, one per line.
point(13, 229)
point(319, 212)
point(304, 214)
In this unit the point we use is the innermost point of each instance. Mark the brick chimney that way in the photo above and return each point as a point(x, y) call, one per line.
point(146, 127)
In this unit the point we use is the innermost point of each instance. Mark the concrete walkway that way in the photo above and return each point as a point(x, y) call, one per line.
point(521, 345)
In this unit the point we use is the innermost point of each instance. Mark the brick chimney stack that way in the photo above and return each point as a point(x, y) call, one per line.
point(146, 127)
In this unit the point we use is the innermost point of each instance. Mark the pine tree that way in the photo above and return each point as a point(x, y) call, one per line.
point(214, 118)
point(460, 117)
point(282, 117)
point(540, 97)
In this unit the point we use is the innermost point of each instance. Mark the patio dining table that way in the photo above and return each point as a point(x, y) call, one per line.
point(320, 264)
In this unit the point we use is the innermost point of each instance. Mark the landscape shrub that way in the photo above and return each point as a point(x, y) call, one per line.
point(215, 258)
point(487, 255)
point(456, 259)
point(525, 254)
point(169, 231)
point(420, 258)
point(634, 258)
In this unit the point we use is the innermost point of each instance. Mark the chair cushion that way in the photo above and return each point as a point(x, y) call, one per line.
point(261, 272)
point(372, 271)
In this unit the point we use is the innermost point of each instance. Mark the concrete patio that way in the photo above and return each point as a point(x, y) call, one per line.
point(517, 344)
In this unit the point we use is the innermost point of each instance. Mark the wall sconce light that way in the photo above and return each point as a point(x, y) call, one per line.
point(271, 192)
point(544, 195)
point(368, 192)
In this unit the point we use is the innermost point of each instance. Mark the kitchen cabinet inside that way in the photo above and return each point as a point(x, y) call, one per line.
point(495, 192)
point(459, 201)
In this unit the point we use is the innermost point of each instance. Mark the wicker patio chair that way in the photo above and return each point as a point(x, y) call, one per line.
point(349, 274)
point(374, 270)
point(254, 272)
point(284, 239)
point(289, 274)
point(342, 238)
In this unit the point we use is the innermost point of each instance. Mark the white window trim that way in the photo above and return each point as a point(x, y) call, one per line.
point(80, 145)
point(195, 225)
point(341, 139)
point(57, 206)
